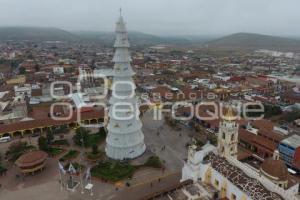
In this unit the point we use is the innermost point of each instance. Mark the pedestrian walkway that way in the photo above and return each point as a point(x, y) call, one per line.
point(149, 187)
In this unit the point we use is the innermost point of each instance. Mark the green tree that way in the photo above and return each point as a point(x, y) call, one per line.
point(22, 70)
point(49, 137)
point(95, 149)
point(81, 137)
point(16, 149)
point(102, 131)
point(153, 161)
point(43, 144)
point(64, 129)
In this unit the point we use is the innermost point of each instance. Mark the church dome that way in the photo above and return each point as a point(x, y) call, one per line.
point(229, 115)
point(275, 169)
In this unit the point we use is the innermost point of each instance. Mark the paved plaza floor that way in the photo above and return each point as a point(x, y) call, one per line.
point(45, 185)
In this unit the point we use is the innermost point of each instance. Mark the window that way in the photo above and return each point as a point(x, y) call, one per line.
point(216, 183)
point(232, 137)
point(223, 136)
point(233, 197)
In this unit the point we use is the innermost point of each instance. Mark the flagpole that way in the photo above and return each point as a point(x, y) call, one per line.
point(81, 160)
point(71, 177)
point(61, 182)
point(92, 192)
point(91, 183)
point(82, 191)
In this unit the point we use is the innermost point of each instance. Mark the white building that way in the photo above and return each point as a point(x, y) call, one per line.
point(58, 70)
point(221, 77)
point(23, 91)
point(206, 83)
point(125, 139)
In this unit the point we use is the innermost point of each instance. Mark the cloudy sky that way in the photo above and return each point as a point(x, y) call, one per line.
point(161, 17)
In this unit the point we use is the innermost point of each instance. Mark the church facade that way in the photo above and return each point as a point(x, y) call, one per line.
point(219, 168)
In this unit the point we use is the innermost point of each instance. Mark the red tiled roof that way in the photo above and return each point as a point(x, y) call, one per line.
point(257, 140)
point(25, 125)
point(280, 171)
point(31, 158)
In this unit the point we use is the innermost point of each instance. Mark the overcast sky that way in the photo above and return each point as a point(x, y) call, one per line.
point(161, 17)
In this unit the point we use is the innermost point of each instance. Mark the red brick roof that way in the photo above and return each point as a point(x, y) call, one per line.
point(280, 171)
point(31, 159)
point(37, 123)
point(257, 140)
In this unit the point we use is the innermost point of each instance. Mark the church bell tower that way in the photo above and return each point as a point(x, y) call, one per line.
point(228, 135)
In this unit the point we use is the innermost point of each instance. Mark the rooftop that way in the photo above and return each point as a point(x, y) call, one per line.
point(293, 141)
point(31, 158)
point(252, 187)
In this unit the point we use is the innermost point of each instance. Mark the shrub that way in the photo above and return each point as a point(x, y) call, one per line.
point(113, 170)
point(16, 149)
point(102, 131)
point(2, 169)
point(60, 129)
point(95, 149)
point(54, 151)
point(43, 143)
point(61, 142)
point(153, 161)
point(70, 155)
point(50, 137)
point(75, 165)
point(83, 138)
point(92, 156)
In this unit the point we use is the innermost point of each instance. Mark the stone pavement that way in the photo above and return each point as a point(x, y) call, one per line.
point(45, 185)
point(151, 186)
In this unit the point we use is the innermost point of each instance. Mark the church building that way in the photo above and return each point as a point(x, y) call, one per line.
point(219, 168)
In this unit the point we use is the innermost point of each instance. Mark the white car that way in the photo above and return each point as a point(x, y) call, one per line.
point(5, 139)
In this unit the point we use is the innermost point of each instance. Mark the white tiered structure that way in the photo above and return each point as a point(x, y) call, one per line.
point(125, 138)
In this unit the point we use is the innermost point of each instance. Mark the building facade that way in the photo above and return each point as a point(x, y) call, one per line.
point(289, 150)
point(219, 168)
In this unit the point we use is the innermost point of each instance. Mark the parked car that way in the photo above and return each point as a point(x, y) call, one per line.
point(5, 139)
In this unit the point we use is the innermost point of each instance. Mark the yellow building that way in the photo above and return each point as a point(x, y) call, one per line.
point(21, 79)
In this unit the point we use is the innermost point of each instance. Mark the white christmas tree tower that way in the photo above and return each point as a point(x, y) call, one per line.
point(125, 139)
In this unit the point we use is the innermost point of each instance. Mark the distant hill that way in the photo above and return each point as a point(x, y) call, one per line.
point(135, 37)
point(254, 41)
point(235, 41)
point(35, 34)
point(55, 34)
